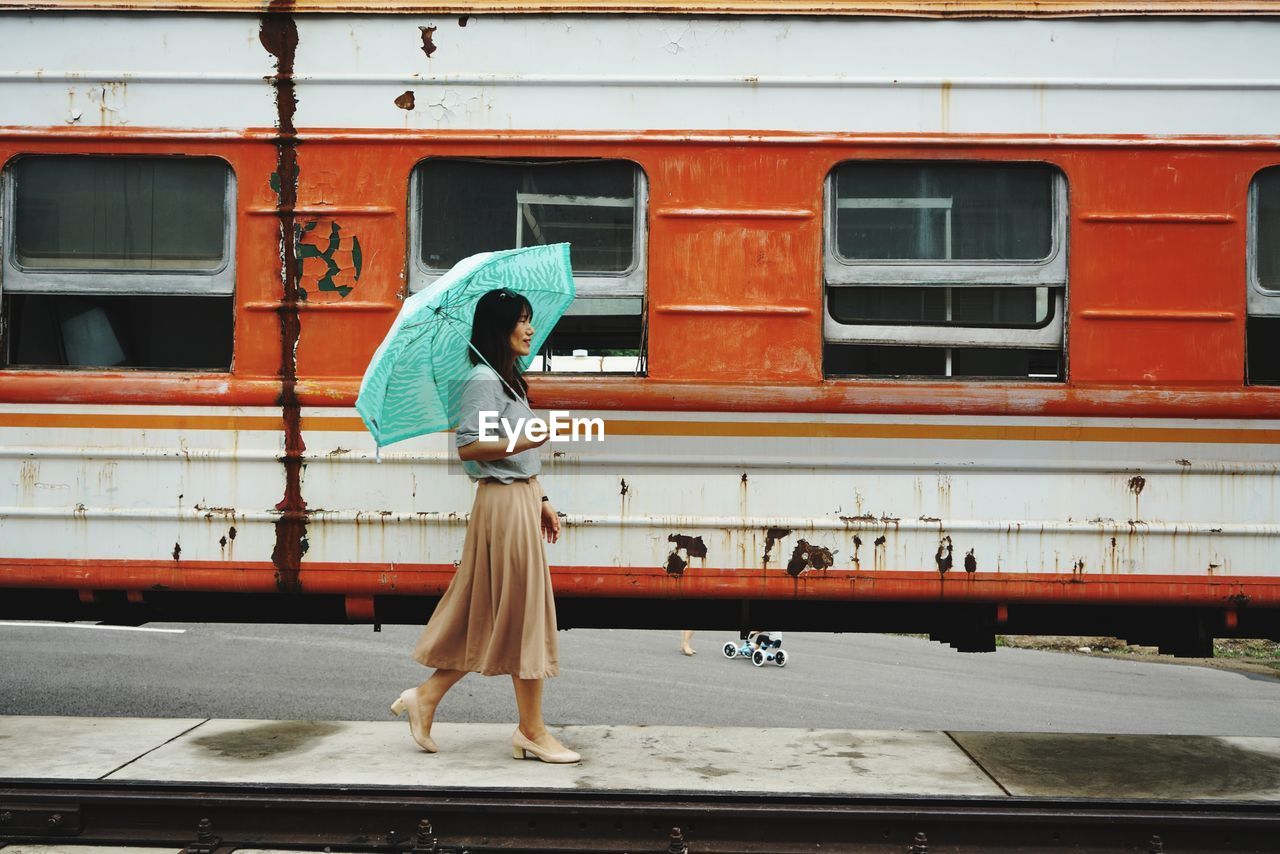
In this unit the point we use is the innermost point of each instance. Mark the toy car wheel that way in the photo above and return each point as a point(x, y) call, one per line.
point(757, 658)
point(780, 658)
point(730, 650)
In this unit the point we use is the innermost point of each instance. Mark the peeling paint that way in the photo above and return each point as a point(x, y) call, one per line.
point(943, 556)
point(675, 564)
point(772, 536)
point(970, 562)
point(332, 249)
point(692, 545)
point(806, 556)
point(405, 101)
point(428, 45)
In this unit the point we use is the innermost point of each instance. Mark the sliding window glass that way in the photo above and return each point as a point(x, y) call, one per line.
point(465, 206)
point(118, 262)
point(1262, 332)
point(945, 269)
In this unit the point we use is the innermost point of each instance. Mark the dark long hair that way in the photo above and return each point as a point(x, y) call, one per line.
point(497, 313)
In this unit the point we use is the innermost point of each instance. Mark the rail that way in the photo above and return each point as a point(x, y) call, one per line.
point(218, 819)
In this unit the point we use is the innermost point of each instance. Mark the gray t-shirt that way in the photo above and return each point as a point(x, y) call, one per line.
point(483, 391)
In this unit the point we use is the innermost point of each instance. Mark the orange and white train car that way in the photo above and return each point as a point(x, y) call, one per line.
point(954, 317)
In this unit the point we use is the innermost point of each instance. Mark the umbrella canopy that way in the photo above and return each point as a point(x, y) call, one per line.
point(413, 382)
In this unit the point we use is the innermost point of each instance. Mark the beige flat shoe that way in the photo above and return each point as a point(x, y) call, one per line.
point(523, 748)
point(408, 702)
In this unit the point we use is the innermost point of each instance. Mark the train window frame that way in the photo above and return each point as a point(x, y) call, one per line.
point(1050, 272)
point(213, 282)
point(1262, 301)
point(598, 293)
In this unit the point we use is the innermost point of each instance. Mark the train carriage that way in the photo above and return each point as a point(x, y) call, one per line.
point(959, 318)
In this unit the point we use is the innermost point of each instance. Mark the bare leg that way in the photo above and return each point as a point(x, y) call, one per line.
point(431, 692)
point(529, 702)
point(685, 637)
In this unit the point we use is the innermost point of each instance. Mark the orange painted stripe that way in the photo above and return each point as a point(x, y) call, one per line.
point(126, 421)
point(711, 429)
point(993, 432)
point(366, 580)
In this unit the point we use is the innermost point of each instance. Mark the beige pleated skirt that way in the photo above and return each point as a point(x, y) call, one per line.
point(498, 615)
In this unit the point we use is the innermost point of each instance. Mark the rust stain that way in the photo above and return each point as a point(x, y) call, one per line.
point(278, 33)
point(943, 556)
point(405, 101)
point(771, 536)
point(428, 46)
point(806, 556)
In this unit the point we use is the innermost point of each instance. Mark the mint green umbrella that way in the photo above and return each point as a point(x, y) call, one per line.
point(412, 384)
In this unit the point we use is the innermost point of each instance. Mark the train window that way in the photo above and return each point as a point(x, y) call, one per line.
point(464, 206)
point(1262, 331)
point(945, 270)
point(118, 261)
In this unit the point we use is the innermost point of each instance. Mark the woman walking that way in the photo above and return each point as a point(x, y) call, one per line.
point(498, 615)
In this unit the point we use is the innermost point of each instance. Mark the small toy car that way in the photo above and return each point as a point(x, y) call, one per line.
point(759, 647)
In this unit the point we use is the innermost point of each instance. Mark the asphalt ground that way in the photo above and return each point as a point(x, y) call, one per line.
point(848, 681)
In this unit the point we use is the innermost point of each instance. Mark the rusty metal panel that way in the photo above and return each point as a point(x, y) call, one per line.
point(800, 494)
point(1123, 76)
point(896, 8)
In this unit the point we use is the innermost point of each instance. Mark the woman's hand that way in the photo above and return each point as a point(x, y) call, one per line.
point(550, 522)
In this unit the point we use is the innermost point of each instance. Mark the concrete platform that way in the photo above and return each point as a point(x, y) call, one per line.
point(645, 759)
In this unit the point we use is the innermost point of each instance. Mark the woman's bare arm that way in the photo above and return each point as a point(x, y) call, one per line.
point(487, 450)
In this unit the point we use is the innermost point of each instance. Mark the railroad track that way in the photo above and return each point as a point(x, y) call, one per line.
point(208, 819)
